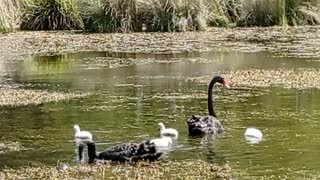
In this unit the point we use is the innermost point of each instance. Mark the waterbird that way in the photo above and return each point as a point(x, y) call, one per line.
point(81, 135)
point(200, 125)
point(253, 135)
point(168, 131)
point(162, 143)
point(80, 138)
point(125, 152)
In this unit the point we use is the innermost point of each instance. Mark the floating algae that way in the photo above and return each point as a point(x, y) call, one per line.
point(7, 146)
point(301, 78)
point(291, 41)
point(10, 96)
point(160, 170)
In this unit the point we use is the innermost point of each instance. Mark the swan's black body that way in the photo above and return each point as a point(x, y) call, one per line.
point(200, 125)
point(127, 152)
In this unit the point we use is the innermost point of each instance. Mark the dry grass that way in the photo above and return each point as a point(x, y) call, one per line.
point(161, 170)
point(51, 15)
point(279, 12)
point(146, 15)
point(10, 14)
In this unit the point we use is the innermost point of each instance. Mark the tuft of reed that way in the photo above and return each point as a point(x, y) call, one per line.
point(145, 15)
point(172, 15)
point(279, 12)
point(51, 15)
point(109, 15)
point(10, 14)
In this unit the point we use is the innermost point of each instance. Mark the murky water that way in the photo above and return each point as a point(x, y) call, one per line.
point(129, 99)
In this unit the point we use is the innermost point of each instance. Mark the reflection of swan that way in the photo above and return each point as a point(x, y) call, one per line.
point(206, 148)
point(199, 125)
point(253, 135)
point(167, 131)
point(127, 152)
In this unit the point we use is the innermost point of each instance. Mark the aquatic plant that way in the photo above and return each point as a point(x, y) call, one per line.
point(162, 170)
point(6, 146)
point(10, 96)
point(51, 15)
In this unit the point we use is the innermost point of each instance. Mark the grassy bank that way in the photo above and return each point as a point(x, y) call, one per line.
point(153, 15)
point(159, 170)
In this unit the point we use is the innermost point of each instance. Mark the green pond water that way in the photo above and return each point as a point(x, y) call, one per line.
point(131, 93)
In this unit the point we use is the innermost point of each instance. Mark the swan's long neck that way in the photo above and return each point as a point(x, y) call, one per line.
point(162, 127)
point(210, 98)
point(76, 129)
point(91, 151)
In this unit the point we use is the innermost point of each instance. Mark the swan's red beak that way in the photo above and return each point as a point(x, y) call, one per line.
point(225, 84)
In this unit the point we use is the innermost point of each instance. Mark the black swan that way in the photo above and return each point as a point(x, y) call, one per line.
point(200, 125)
point(127, 152)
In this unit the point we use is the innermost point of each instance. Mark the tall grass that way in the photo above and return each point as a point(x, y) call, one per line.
point(145, 15)
point(51, 15)
point(109, 15)
point(153, 15)
point(10, 14)
point(279, 12)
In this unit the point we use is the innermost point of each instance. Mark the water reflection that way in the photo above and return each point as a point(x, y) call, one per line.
point(129, 101)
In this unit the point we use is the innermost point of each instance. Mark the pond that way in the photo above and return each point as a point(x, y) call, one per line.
point(131, 93)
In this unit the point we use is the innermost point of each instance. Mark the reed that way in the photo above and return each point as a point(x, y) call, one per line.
point(279, 12)
point(10, 14)
point(52, 15)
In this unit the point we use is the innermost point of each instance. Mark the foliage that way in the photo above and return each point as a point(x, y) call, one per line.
point(9, 14)
point(110, 16)
point(153, 15)
point(51, 15)
point(278, 12)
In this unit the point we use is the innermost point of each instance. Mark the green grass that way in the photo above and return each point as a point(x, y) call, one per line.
point(279, 12)
point(51, 15)
point(109, 15)
point(153, 15)
point(10, 14)
point(160, 170)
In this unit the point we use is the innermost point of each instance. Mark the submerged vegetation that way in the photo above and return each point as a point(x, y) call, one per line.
point(153, 15)
point(164, 170)
point(7, 146)
point(301, 78)
point(10, 96)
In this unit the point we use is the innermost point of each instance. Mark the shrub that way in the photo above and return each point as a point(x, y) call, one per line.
point(52, 15)
point(10, 14)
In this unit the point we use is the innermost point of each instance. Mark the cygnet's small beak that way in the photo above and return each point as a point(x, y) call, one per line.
point(225, 84)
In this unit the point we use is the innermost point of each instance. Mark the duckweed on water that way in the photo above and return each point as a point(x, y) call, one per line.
point(301, 78)
point(21, 97)
point(291, 41)
point(160, 170)
point(7, 146)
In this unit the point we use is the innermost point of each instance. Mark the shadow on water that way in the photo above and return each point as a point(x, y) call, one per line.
point(128, 102)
